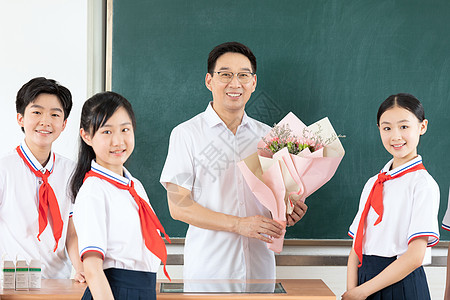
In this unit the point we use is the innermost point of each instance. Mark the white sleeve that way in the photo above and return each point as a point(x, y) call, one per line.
point(68, 199)
point(424, 218)
point(446, 220)
point(90, 217)
point(179, 165)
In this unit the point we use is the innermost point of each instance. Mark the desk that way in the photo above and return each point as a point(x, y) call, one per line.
point(51, 289)
point(300, 289)
point(66, 289)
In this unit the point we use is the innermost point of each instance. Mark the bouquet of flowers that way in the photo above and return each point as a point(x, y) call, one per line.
point(292, 161)
point(281, 136)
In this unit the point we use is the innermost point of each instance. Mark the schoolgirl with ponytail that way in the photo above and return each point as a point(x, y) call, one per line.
point(118, 232)
point(396, 223)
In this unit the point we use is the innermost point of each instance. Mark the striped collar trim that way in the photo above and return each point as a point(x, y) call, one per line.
point(410, 164)
point(34, 162)
point(111, 175)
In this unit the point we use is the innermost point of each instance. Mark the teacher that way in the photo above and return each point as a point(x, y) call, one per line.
point(228, 227)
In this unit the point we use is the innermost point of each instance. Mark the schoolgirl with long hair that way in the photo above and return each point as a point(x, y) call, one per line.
point(118, 232)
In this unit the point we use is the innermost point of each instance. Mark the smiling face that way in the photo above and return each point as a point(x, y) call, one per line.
point(113, 143)
point(43, 121)
point(400, 131)
point(230, 97)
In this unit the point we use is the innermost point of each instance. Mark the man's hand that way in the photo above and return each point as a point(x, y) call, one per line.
point(259, 227)
point(300, 209)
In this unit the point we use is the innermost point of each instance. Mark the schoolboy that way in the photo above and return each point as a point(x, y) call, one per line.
point(228, 227)
point(34, 204)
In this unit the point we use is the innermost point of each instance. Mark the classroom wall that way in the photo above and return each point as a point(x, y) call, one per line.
point(42, 38)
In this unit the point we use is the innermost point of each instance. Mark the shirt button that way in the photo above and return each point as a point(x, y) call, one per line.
point(40, 182)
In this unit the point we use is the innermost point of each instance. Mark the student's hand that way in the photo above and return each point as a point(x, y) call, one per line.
point(259, 227)
point(300, 209)
point(354, 294)
point(79, 277)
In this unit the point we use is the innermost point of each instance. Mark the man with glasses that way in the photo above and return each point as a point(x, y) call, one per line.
point(228, 227)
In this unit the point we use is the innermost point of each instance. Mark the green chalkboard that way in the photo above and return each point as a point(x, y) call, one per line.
point(316, 58)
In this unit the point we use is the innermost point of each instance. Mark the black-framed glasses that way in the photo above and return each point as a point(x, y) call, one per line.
point(243, 77)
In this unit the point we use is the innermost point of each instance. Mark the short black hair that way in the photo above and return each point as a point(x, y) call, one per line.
point(41, 85)
point(233, 47)
point(403, 100)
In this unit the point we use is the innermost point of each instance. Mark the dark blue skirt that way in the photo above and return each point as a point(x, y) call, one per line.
point(129, 285)
point(414, 286)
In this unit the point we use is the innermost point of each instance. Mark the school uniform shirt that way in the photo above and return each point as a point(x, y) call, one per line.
point(107, 221)
point(446, 220)
point(202, 158)
point(19, 211)
point(411, 204)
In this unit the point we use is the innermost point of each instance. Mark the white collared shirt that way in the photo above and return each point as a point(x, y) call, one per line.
point(411, 204)
point(19, 203)
point(202, 158)
point(107, 221)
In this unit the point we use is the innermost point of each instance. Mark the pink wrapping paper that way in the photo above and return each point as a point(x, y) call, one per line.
point(281, 179)
point(269, 189)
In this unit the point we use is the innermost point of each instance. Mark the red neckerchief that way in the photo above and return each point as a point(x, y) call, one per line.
point(47, 201)
point(149, 221)
point(375, 200)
